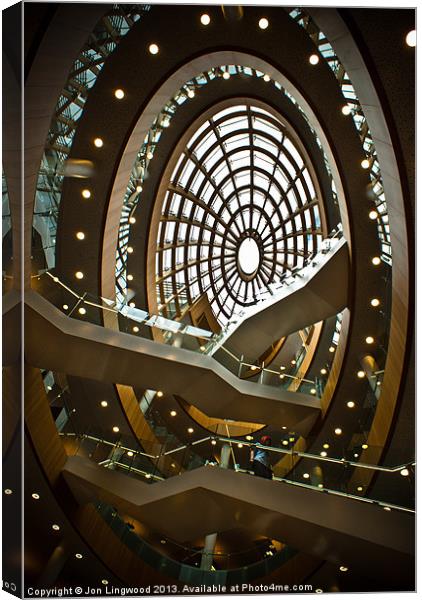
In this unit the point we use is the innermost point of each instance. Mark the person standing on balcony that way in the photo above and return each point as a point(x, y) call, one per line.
point(260, 459)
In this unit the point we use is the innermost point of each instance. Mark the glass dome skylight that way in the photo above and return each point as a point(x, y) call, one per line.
point(240, 212)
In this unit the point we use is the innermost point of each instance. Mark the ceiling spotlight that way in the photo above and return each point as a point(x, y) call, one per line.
point(129, 249)
point(323, 371)
point(132, 220)
point(135, 329)
point(293, 362)
point(130, 277)
point(8, 491)
point(361, 374)
point(65, 307)
point(35, 496)
point(344, 569)
point(338, 431)
point(263, 23)
point(314, 59)
point(130, 453)
point(82, 311)
point(86, 193)
point(306, 476)
point(173, 413)
point(104, 581)
point(213, 442)
point(346, 110)
point(226, 75)
point(190, 430)
point(365, 164)
point(132, 304)
point(205, 19)
point(79, 275)
point(369, 339)
point(55, 527)
point(104, 403)
point(411, 38)
point(376, 260)
point(364, 446)
point(80, 235)
point(191, 93)
point(249, 438)
point(116, 429)
point(313, 391)
point(153, 49)
point(326, 446)
point(285, 443)
point(323, 453)
point(266, 78)
point(78, 555)
point(375, 302)
point(240, 445)
point(320, 485)
point(282, 376)
point(359, 488)
point(356, 455)
point(404, 472)
point(387, 508)
point(160, 394)
point(138, 189)
point(119, 94)
point(98, 143)
point(350, 404)
point(331, 349)
point(150, 155)
point(373, 214)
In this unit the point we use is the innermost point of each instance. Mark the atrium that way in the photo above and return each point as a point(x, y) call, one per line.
point(213, 243)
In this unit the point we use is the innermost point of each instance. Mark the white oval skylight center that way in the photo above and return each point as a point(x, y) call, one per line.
point(248, 256)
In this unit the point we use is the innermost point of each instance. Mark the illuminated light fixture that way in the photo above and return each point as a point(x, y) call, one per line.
point(78, 555)
point(79, 275)
point(130, 453)
point(86, 194)
point(284, 427)
point(369, 339)
point(404, 472)
point(55, 527)
point(135, 329)
point(346, 110)
point(65, 307)
point(202, 348)
point(323, 371)
point(160, 394)
point(313, 391)
point(359, 488)
point(150, 155)
point(326, 446)
point(8, 491)
point(132, 304)
point(80, 235)
point(306, 476)
point(190, 430)
point(165, 122)
point(82, 311)
point(205, 19)
point(263, 23)
point(55, 279)
point(132, 220)
point(163, 542)
point(376, 260)
point(320, 485)
point(226, 75)
point(104, 581)
point(282, 368)
point(138, 189)
point(344, 569)
point(130, 277)
point(249, 438)
point(253, 368)
point(361, 374)
point(281, 376)
point(323, 453)
point(350, 404)
point(365, 164)
point(375, 302)
point(338, 431)
point(116, 429)
point(153, 49)
point(319, 590)
point(314, 59)
point(411, 38)
point(356, 455)
point(104, 403)
point(387, 508)
point(364, 446)
point(35, 496)
point(213, 442)
point(173, 466)
point(49, 388)
point(191, 93)
point(331, 349)
point(119, 94)
point(293, 362)
point(291, 439)
point(240, 445)
point(266, 78)
point(378, 382)
point(173, 413)
point(373, 215)
point(285, 443)
point(147, 475)
point(98, 143)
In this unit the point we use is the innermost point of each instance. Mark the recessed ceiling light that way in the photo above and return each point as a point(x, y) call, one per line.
point(80, 235)
point(375, 302)
point(323, 371)
point(150, 155)
point(350, 404)
point(346, 110)
point(213, 442)
point(160, 394)
point(98, 143)
point(119, 93)
point(338, 431)
point(387, 508)
point(147, 475)
point(314, 59)
point(86, 193)
point(78, 555)
point(205, 19)
point(404, 472)
point(65, 307)
point(291, 439)
point(132, 304)
point(319, 590)
point(163, 542)
point(284, 427)
point(266, 78)
point(130, 453)
point(130, 277)
point(240, 445)
point(173, 413)
point(226, 75)
point(344, 569)
point(116, 429)
point(202, 348)
point(153, 49)
point(190, 430)
point(320, 485)
point(331, 349)
point(326, 446)
point(79, 275)
point(356, 455)
point(263, 23)
point(285, 443)
point(104, 403)
point(411, 38)
point(364, 446)
point(373, 215)
point(359, 488)
point(306, 476)
point(132, 220)
point(281, 376)
point(249, 438)
point(82, 310)
point(365, 164)
point(8, 491)
point(293, 361)
point(55, 527)
point(104, 581)
point(323, 453)
point(376, 260)
point(35, 496)
point(361, 374)
point(313, 391)
point(191, 93)
point(369, 339)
